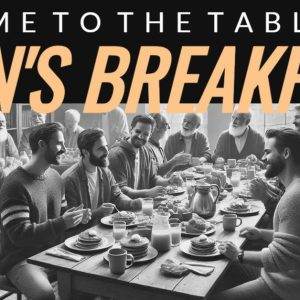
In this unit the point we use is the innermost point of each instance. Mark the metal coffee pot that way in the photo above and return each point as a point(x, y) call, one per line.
point(204, 203)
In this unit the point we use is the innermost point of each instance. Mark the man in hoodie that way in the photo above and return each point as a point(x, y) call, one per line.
point(132, 164)
point(189, 140)
point(90, 182)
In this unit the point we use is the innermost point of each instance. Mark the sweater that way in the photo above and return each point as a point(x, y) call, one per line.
point(281, 260)
point(226, 146)
point(30, 210)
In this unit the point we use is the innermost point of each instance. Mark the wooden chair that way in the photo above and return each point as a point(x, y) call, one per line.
point(5, 285)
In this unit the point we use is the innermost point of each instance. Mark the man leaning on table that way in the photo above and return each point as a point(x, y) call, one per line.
point(163, 165)
point(90, 182)
point(280, 261)
point(31, 207)
point(132, 164)
point(189, 140)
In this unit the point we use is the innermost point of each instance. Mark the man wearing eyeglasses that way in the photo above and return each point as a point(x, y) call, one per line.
point(240, 140)
point(163, 165)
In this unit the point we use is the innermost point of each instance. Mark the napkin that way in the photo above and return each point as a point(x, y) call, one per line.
point(170, 267)
point(64, 254)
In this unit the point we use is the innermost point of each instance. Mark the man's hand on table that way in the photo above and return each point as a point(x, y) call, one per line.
point(229, 250)
point(251, 233)
point(156, 191)
point(181, 159)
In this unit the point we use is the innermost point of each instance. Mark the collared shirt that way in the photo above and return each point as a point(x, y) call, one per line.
point(136, 170)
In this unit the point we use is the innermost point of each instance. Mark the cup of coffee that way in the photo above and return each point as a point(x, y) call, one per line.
point(231, 162)
point(107, 208)
point(119, 260)
point(230, 222)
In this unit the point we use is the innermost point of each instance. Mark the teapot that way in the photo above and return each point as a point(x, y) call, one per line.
point(203, 203)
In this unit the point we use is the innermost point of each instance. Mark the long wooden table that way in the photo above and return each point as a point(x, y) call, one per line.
point(143, 282)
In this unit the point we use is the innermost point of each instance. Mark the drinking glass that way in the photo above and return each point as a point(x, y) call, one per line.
point(175, 229)
point(235, 178)
point(147, 206)
point(119, 230)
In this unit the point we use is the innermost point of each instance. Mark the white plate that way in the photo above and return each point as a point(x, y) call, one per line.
point(210, 231)
point(185, 248)
point(177, 192)
point(254, 210)
point(151, 254)
point(108, 222)
point(106, 242)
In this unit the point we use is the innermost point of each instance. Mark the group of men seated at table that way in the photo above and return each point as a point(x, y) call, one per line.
point(39, 207)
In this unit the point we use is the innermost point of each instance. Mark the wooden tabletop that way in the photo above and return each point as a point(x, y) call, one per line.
point(143, 281)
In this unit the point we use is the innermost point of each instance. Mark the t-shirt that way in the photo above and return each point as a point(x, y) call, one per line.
point(93, 185)
point(136, 170)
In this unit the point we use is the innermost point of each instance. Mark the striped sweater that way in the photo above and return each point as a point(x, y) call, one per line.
point(30, 209)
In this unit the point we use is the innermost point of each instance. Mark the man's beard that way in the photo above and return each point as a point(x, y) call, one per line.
point(99, 161)
point(137, 142)
point(3, 135)
point(187, 133)
point(237, 131)
point(274, 168)
point(53, 158)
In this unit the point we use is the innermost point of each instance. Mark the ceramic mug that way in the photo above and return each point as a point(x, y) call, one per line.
point(119, 260)
point(230, 222)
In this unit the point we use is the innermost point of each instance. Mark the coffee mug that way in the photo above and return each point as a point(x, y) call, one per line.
point(230, 222)
point(119, 260)
point(231, 162)
point(107, 208)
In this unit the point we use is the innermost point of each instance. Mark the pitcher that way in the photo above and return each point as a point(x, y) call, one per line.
point(161, 234)
point(204, 204)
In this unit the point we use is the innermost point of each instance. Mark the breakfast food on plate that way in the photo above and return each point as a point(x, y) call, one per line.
point(88, 239)
point(135, 245)
point(126, 216)
point(239, 205)
point(202, 245)
point(195, 226)
point(171, 189)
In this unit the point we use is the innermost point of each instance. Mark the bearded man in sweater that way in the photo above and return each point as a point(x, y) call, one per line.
point(31, 204)
point(280, 261)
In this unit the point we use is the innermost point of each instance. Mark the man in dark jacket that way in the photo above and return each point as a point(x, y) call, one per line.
point(90, 182)
point(132, 164)
point(240, 140)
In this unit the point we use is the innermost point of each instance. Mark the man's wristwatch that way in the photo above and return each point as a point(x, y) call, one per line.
point(241, 256)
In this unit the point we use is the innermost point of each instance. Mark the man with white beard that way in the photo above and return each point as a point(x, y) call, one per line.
point(189, 140)
point(7, 144)
point(240, 140)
